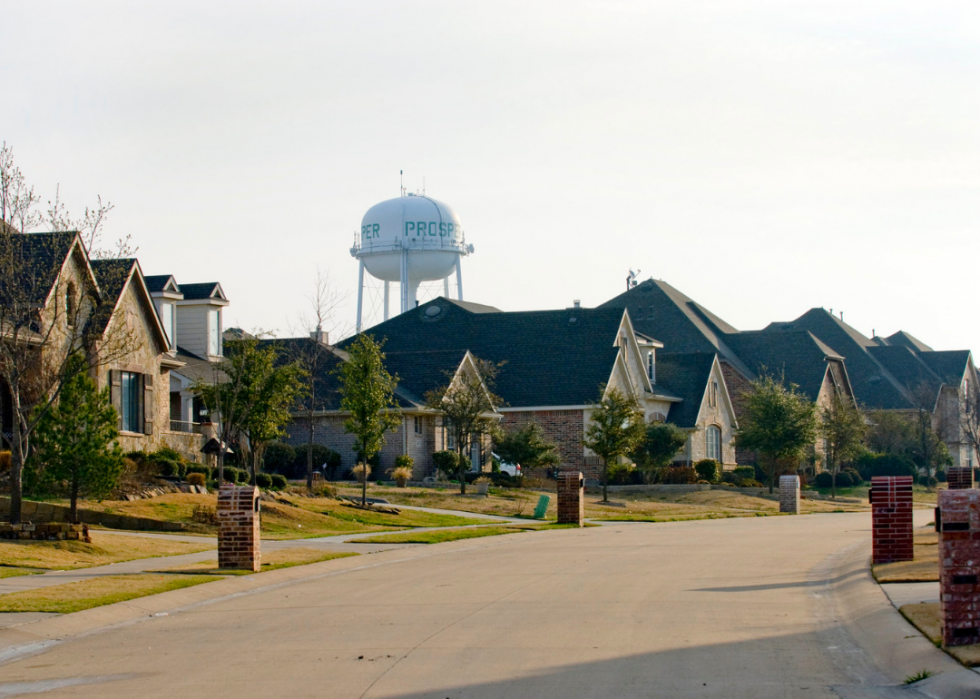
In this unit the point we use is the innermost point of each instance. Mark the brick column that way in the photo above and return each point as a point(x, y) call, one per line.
point(891, 518)
point(789, 494)
point(958, 523)
point(959, 477)
point(571, 498)
point(239, 539)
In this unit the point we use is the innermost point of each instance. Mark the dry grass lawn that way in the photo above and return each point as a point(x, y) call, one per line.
point(76, 596)
point(658, 507)
point(441, 535)
point(925, 617)
point(297, 518)
point(923, 568)
point(104, 549)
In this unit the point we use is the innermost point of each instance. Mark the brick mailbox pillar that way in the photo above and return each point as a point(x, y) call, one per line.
point(891, 518)
point(958, 524)
point(238, 527)
point(789, 494)
point(959, 477)
point(571, 498)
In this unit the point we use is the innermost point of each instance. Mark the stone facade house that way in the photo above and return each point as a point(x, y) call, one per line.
point(105, 309)
point(553, 365)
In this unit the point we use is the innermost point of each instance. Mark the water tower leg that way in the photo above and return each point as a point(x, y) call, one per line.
point(403, 282)
point(387, 284)
point(360, 293)
point(459, 279)
point(445, 287)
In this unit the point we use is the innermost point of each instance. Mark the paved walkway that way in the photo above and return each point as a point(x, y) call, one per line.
point(752, 608)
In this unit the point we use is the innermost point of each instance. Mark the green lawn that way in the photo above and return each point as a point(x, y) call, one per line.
point(77, 596)
point(440, 536)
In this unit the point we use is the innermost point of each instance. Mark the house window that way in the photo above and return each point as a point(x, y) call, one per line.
point(450, 437)
point(651, 367)
point(70, 307)
point(713, 395)
point(130, 401)
point(167, 311)
point(214, 333)
point(713, 443)
point(418, 425)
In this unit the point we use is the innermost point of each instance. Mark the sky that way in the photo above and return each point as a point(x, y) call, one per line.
point(764, 158)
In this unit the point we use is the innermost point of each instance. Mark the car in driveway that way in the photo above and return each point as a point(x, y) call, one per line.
point(512, 470)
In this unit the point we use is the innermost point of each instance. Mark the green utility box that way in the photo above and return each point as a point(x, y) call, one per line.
point(542, 508)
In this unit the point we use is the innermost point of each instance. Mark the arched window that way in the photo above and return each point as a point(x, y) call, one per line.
point(713, 443)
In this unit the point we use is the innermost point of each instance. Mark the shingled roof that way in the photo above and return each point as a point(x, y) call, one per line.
point(797, 356)
point(35, 260)
point(873, 385)
point(685, 375)
point(659, 310)
point(112, 276)
point(551, 358)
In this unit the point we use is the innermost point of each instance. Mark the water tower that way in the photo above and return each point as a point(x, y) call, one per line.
point(409, 240)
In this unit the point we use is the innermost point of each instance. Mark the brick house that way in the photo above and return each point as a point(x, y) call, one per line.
point(553, 364)
point(105, 308)
point(420, 432)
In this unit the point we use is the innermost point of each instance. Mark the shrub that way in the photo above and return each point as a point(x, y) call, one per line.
point(167, 453)
point(447, 462)
point(231, 474)
point(327, 491)
point(263, 480)
point(196, 479)
point(843, 480)
point(707, 470)
point(941, 476)
point(361, 472)
point(824, 479)
point(281, 458)
point(740, 474)
point(402, 474)
point(199, 468)
point(204, 514)
point(624, 474)
point(168, 468)
point(928, 481)
point(502, 479)
point(870, 465)
point(680, 475)
point(279, 481)
point(856, 478)
point(404, 461)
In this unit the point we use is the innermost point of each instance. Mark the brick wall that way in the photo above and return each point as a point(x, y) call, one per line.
point(959, 477)
point(789, 494)
point(958, 521)
point(239, 539)
point(563, 427)
point(891, 518)
point(571, 498)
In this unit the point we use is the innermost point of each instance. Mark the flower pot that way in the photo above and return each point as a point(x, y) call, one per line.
point(482, 488)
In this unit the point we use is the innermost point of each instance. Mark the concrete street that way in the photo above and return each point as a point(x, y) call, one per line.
point(756, 607)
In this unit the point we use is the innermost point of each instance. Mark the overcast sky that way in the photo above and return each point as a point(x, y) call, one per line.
point(763, 157)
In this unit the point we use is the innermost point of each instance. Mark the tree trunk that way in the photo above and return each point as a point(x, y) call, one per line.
point(16, 477)
point(309, 457)
point(364, 466)
point(461, 472)
point(772, 473)
point(833, 480)
point(605, 481)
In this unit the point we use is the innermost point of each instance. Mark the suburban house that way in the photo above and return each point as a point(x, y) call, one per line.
point(106, 309)
point(419, 433)
point(819, 353)
point(552, 367)
point(191, 314)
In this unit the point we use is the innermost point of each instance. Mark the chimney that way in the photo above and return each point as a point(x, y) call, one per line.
point(321, 335)
point(577, 303)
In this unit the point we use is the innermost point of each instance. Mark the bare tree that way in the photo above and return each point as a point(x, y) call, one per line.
point(49, 312)
point(970, 421)
point(316, 356)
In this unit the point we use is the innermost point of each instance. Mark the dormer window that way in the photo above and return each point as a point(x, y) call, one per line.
point(651, 367)
point(167, 313)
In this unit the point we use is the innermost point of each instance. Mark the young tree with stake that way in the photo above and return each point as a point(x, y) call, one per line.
point(844, 427)
point(616, 427)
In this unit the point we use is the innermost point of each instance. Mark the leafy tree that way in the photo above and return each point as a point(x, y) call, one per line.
point(660, 445)
point(528, 447)
point(889, 432)
point(844, 428)
point(468, 407)
point(778, 423)
point(367, 392)
point(253, 393)
point(76, 439)
point(615, 429)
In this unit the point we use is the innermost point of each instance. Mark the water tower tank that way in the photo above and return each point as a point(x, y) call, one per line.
point(409, 240)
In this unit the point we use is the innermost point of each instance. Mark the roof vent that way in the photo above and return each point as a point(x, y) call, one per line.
point(573, 320)
point(432, 311)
